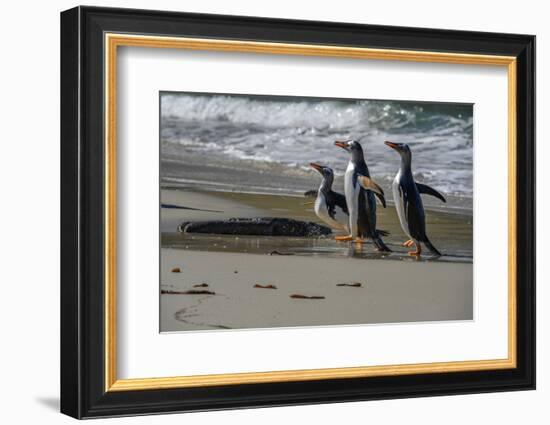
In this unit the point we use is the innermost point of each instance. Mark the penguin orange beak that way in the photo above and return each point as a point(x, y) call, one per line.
point(340, 144)
point(316, 166)
point(392, 145)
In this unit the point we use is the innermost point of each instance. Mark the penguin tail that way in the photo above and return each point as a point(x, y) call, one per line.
point(383, 232)
point(432, 248)
point(379, 243)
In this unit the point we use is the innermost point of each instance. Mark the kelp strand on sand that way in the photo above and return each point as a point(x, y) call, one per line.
point(188, 292)
point(307, 297)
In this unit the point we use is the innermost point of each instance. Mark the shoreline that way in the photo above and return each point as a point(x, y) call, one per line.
point(451, 233)
point(214, 172)
point(201, 186)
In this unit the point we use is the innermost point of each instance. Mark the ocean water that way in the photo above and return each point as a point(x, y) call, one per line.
point(282, 135)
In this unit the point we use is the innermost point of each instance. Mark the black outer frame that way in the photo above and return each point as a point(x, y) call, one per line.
point(82, 219)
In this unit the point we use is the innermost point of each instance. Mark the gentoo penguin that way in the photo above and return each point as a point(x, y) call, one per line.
point(360, 190)
point(330, 206)
point(408, 202)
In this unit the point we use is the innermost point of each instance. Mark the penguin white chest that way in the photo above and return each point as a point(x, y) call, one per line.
point(352, 189)
point(400, 204)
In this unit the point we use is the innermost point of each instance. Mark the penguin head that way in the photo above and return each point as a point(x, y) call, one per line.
point(325, 171)
point(402, 148)
point(351, 146)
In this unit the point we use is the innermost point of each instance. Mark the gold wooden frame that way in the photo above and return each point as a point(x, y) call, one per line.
point(113, 41)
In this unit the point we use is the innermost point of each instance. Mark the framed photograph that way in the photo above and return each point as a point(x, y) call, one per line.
point(261, 212)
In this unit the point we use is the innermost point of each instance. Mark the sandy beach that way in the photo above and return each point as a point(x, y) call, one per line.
point(390, 292)
point(384, 288)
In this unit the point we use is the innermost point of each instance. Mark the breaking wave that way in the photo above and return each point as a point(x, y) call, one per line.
point(295, 131)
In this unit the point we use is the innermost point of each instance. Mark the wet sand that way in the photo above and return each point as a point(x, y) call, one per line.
point(394, 288)
point(451, 233)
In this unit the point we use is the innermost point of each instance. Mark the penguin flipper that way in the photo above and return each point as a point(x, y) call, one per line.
point(336, 200)
point(382, 199)
point(369, 184)
point(423, 188)
point(340, 200)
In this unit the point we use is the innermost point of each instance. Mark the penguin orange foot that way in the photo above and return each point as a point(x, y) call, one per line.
point(343, 238)
point(417, 252)
point(408, 243)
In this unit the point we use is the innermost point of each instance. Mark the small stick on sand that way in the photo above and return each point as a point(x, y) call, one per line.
point(189, 292)
point(353, 285)
point(307, 297)
point(265, 286)
point(201, 285)
point(176, 270)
